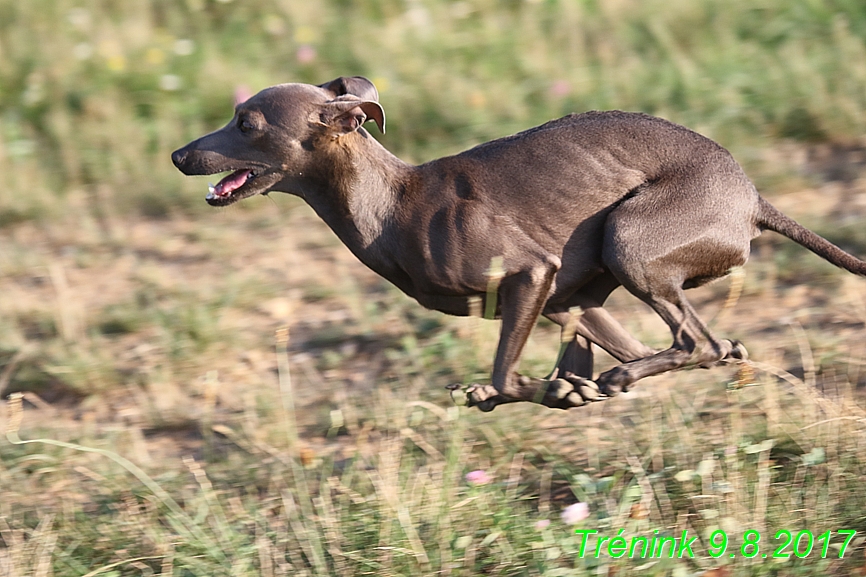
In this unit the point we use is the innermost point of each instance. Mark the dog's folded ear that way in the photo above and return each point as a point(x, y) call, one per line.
point(347, 113)
point(354, 85)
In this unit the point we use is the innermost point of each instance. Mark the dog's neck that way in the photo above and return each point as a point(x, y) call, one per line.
point(375, 190)
point(359, 191)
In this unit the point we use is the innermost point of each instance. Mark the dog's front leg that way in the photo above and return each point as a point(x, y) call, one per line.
point(523, 296)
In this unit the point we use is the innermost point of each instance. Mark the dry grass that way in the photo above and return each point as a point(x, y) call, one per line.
point(355, 464)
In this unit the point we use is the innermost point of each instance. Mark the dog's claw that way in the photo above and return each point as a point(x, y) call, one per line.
point(458, 395)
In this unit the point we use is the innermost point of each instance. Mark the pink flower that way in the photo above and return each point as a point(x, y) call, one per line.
point(242, 94)
point(306, 54)
point(559, 89)
point(574, 514)
point(542, 524)
point(478, 477)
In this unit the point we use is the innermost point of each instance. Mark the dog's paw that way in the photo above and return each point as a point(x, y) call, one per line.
point(566, 392)
point(563, 394)
point(485, 397)
point(615, 381)
point(588, 390)
point(732, 352)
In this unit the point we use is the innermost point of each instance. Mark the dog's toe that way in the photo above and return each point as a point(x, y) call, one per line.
point(559, 389)
point(588, 390)
point(738, 351)
point(571, 391)
point(575, 400)
point(487, 406)
point(611, 389)
point(485, 397)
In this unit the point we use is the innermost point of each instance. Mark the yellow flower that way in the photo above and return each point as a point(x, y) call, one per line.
point(305, 35)
point(382, 84)
point(154, 56)
point(116, 63)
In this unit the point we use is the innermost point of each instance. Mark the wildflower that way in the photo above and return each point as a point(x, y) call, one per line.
point(170, 82)
point(382, 84)
point(478, 477)
point(306, 54)
point(184, 47)
point(79, 18)
point(575, 513)
point(154, 56)
point(273, 25)
point(305, 35)
point(82, 51)
point(116, 63)
point(242, 93)
point(560, 89)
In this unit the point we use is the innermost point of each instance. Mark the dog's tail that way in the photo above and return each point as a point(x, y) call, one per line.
point(769, 217)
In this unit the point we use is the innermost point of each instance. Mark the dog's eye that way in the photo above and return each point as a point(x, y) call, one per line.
point(245, 125)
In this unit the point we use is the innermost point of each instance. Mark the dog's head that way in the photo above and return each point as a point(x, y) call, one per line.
point(273, 137)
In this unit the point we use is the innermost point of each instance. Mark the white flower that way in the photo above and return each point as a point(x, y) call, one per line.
point(170, 82)
point(574, 514)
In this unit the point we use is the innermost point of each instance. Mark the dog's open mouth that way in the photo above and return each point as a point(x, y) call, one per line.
point(237, 185)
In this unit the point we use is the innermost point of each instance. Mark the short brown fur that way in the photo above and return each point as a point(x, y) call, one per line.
point(573, 208)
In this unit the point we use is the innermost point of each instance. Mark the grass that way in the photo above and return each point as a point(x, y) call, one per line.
point(94, 94)
point(396, 501)
point(160, 433)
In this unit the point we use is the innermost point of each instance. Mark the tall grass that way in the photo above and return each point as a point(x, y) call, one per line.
point(401, 505)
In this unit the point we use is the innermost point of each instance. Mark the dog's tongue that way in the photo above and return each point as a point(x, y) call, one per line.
point(232, 182)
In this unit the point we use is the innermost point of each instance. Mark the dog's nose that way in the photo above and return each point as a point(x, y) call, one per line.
point(178, 157)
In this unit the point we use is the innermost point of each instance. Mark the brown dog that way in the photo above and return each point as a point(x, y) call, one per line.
point(573, 209)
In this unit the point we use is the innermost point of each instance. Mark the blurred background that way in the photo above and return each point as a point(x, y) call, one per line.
point(283, 409)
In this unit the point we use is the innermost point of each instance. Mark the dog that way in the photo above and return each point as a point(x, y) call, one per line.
point(569, 210)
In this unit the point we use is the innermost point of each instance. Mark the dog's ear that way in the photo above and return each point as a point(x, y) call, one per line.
point(347, 113)
point(354, 85)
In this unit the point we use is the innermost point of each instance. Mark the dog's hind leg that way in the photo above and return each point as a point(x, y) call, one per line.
point(581, 329)
point(593, 324)
point(669, 236)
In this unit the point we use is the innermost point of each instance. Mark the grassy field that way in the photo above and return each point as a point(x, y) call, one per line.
point(190, 391)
